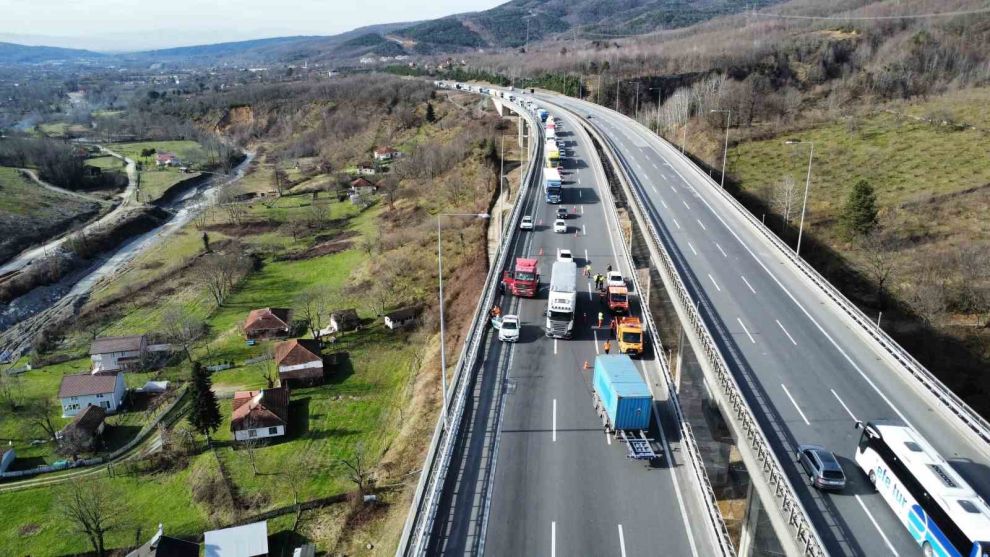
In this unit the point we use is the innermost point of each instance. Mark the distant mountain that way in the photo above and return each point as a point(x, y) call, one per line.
point(11, 53)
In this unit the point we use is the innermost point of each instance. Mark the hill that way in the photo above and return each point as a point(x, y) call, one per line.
point(11, 53)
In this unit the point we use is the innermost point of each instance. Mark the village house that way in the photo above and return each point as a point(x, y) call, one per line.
point(86, 428)
point(386, 154)
point(344, 320)
point(400, 318)
point(113, 354)
point(362, 186)
point(166, 159)
point(248, 540)
point(161, 545)
point(260, 414)
point(366, 169)
point(76, 392)
point(267, 323)
point(299, 360)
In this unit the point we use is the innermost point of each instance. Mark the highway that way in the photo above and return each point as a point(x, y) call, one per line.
point(533, 472)
point(806, 374)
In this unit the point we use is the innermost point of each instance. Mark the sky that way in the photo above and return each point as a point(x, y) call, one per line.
point(120, 25)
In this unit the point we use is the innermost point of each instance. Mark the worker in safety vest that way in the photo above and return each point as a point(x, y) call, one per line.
point(607, 345)
point(601, 317)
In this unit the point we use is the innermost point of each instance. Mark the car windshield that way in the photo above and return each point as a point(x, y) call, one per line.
point(828, 460)
point(632, 338)
point(560, 315)
point(510, 325)
point(832, 475)
point(524, 276)
point(618, 297)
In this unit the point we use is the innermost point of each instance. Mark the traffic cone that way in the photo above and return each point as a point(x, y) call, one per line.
point(541, 251)
point(587, 365)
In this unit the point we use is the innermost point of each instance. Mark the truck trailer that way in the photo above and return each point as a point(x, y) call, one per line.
point(624, 403)
point(523, 280)
point(552, 153)
point(552, 185)
point(562, 300)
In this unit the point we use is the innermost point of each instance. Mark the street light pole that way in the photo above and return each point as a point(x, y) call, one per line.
point(618, 82)
point(807, 187)
point(637, 100)
point(501, 177)
point(443, 329)
point(725, 152)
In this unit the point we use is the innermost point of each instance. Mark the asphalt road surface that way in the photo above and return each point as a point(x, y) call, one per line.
point(807, 375)
point(534, 473)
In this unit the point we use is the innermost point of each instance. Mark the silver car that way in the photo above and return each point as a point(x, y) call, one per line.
point(821, 466)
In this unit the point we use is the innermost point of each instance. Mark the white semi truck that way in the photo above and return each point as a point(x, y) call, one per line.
point(562, 301)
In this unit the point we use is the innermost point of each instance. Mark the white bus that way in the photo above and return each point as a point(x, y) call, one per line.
point(944, 515)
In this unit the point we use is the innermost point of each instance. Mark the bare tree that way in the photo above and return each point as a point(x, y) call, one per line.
point(878, 261)
point(8, 385)
point(42, 414)
point(314, 305)
point(92, 508)
point(250, 447)
point(219, 272)
point(267, 368)
point(280, 179)
point(182, 327)
point(929, 292)
point(359, 468)
point(784, 197)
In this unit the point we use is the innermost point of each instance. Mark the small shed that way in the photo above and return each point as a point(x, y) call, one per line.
point(248, 540)
point(400, 318)
point(344, 320)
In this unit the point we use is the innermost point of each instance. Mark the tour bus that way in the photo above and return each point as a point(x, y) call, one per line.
point(944, 515)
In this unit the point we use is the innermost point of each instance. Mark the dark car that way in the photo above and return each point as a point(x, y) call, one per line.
point(822, 467)
point(562, 213)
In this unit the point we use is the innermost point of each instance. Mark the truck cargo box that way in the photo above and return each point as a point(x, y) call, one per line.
point(622, 392)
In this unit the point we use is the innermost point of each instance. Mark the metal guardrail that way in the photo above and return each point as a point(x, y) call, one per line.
point(687, 435)
point(426, 498)
point(786, 497)
point(949, 400)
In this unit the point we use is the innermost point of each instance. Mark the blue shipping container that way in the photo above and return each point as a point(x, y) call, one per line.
point(622, 391)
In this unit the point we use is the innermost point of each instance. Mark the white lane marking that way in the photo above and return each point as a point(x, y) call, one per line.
point(655, 165)
point(800, 306)
point(579, 181)
point(580, 195)
point(622, 541)
point(848, 411)
point(591, 292)
point(745, 330)
point(582, 209)
point(654, 189)
point(585, 257)
point(594, 332)
point(722, 251)
point(692, 248)
point(584, 231)
point(686, 206)
point(608, 438)
point(701, 224)
point(673, 188)
point(664, 204)
point(713, 282)
point(676, 223)
point(553, 539)
point(554, 420)
point(877, 526)
point(779, 324)
point(554, 347)
point(748, 284)
point(794, 402)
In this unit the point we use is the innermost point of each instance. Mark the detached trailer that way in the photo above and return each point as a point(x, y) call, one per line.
point(624, 403)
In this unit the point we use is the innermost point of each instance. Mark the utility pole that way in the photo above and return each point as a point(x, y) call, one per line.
point(807, 186)
point(598, 94)
point(725, 152)
point(618, 82)
point(637, 100)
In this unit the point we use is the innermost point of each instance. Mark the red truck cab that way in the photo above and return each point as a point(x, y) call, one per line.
point(523, 280)
point(618, 299)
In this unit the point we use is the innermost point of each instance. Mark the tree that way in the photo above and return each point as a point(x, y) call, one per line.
point(314, 305)
point(267, 367)
point(859, 217)
point(878, 261)
point(358, 468)
point(42, 414)
point(784, 196)
point(206, 242)
point(430, 114)
point(250, 446)
point(205, 415)
point(280, 179)
point(93, 508)
point(182, 328)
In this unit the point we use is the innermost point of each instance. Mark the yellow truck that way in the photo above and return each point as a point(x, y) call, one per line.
point(629, 335)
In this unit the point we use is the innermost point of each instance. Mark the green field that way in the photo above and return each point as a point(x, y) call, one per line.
point(156, 181)
point(106, 163)
point(190, 152)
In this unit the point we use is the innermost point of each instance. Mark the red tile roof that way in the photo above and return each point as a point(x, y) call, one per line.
point(108, 345)
point(265, 408)
point(265, 319)
point(84, 384)
point(89, 420)
point(361, 183)
point(297, 351)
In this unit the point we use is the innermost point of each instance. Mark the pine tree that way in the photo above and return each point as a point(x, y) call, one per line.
point(205, 417)
point(430, 115)
point(860, 214)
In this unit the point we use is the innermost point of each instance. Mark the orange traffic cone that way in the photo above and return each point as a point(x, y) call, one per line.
point(587, 365)
point(541, 251)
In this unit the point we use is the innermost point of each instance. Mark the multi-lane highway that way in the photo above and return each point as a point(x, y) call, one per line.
point(533, 472)
point(806, 373)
